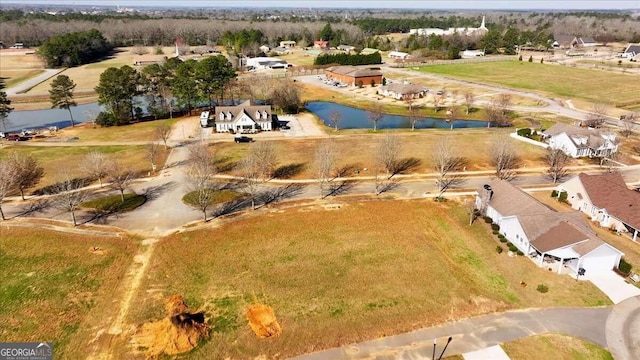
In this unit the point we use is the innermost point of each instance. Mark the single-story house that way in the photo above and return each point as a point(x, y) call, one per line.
point(369, 51)
point(246, 117)
point(586, 41)
point(287, 44)
point(631, 51)
point(265, 48)
point(607, 200)
point(261, 63)
point(578, 142)
point(280, 50)
point(346, 48)
point(403, 91)
point(320, 44)
point(564, 41)
point(398, 55)
point(562, 240)
point(352, 75)
point(148, 59)
point(313, 52)
point(472, 53)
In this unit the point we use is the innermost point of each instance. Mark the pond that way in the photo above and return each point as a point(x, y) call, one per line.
point(353, 118)
point(37, 119)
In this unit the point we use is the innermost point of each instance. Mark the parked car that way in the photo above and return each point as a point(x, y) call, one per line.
point(243, 139)
point(285, 127)
point(14, 137)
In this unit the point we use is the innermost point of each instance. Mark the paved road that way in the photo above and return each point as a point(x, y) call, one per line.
point(478, 333)
point(623, 328)
point(28, 84)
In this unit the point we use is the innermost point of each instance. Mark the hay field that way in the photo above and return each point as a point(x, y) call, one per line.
point(18, 67)
point(52, 288)
point(334, 277)
point(563, 81)
point(554, 346)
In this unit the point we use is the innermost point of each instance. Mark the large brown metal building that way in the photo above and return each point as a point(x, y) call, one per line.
point(352, 75)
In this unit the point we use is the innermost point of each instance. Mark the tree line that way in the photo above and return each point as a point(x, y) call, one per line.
point(73, 49)
point(348, 59)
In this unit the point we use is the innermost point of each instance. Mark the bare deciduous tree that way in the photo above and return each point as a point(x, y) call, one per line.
point(201, 173)
point(452, 114)
point(557, 161)
point(139, 50)
point(504, 158)
point(257, 166)
point(498, 110)
point(388, 153)
point(325, 158)
point(628, 124)
point(445, 161)
point(163, 132)
point(437, 101)
point(374, 114)
point(28, 172)
point(335, 118)
point(469, 97)
point(597, 116)
point(68, 194)
point(7, 182)
point(120, 177)
point(153, 152)
point(414, 117)
point(95, 165)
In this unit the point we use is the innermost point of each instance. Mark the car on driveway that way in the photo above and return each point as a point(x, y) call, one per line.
point(243, 139)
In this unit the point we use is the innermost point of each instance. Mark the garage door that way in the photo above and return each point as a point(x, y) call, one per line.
point(598, 263)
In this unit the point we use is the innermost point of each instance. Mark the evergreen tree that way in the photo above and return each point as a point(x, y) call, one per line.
point(61, 94)
point(5, 107)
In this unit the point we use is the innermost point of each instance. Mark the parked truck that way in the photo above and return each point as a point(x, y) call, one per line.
point(205, 121)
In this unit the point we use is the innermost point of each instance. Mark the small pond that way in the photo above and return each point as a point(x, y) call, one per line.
point(353, 118)
point(37, 119)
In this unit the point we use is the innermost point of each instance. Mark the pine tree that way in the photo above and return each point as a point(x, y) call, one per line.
point(61, 94)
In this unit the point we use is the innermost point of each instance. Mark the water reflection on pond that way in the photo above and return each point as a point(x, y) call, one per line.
point(353, 118)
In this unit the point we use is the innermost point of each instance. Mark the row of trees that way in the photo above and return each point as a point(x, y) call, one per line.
point(5, 106)
point(73, 49)
point(348, 59)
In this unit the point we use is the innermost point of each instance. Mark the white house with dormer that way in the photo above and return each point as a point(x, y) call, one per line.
point(581, 142)
point(247, 117)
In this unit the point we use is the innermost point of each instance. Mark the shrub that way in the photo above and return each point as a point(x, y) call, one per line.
point(531, 58)
point(106, 119)
point(487, 219)
point(520, 58)
point(503, 240)
point(495, 227)
point(625, 267)
point(499, 249)
point(542, 288)
point(562, 197)
point(542, 59)
point(359, 84)
point(554, 194)
point(520, 253)
point(526, 132)
point(373, 83)
point(495, 232)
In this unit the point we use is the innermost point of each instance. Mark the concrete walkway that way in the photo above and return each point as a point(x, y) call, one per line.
point(490, 353)
point(30, 83)
point(614, 286)
point(478, 333)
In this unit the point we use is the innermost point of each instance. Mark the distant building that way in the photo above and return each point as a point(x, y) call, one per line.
point(346, 48)
point(281, 51)
point(464, 31)
point(262, 63)
point(467, 54)
point(352, 75)
point(320, 44)
point(247, 117)
point(369, 51)
point(631, 51)
point(403, 91)
point(581, 142)
point(287, 44)
point(265, 48)
point(398, 55)
point(148, 59)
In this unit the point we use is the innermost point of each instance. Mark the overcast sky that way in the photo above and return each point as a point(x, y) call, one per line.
point(414, 4)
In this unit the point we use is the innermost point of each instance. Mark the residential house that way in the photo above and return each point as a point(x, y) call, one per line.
point(398, 55)
point(313, 52)
point(369, 51)
point(246, 117)
point(564, 41)
point(403, 91)
point(586, 41)
point(320, 44)
point(607, 200)
point(346, 48)
point(354, 75)
point(287, 44)
point(281, 50)
point(580, 142)
point(261, 63)
point(631, 51)
point(465, 31)
point(563, 241)
point(148, 59)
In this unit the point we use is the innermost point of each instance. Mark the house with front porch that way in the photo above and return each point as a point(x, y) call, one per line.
point(402, 91)
point(579, 142)
point(544, 235)
point(607, 200)
point(247, 117)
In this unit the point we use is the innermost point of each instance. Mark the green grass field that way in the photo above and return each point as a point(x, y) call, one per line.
point(334, 277)
point(594, 85)
point(52, 287)
point(554, 346)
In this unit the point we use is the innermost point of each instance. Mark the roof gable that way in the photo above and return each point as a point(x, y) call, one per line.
point(610, 192)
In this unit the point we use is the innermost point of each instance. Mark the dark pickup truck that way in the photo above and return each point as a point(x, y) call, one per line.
point(243, 139)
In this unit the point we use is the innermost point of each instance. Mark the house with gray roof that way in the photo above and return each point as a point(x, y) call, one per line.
point(579, 142)
point(546, 236)
point(607, 200)
point(402, 91)
point(247, 117)
point(631, 51)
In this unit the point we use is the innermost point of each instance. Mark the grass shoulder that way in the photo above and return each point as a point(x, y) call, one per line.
point(218, 197)
point(554, 346)
point(115, 204)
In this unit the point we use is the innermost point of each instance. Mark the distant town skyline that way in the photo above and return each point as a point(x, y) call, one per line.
point(364, 4)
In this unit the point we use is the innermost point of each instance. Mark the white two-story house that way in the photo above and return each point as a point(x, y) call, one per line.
point(581, 142)
point(244, 118)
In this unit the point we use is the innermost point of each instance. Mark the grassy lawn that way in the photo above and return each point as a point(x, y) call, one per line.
point(342, 276)
point(554, 346)
point(52, 288)
point(114, 203)
point(218, 197)
point(473, 144)
point(17, 68)
point(54, 158)
point(142, 131)
point(593, 85)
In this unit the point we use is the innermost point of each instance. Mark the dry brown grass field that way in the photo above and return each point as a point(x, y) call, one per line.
point(16, 67)
point(554, 346)
point(369, 269)
point(141, 131)
point(52, 288)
